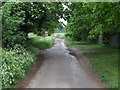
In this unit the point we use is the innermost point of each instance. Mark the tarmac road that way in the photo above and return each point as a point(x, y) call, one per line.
point(61, 70)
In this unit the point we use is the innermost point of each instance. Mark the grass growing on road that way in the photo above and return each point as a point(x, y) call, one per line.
point(104, 61)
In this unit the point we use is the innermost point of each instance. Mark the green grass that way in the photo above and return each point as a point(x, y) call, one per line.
point(104, 61)
point(59, 35)
point(40, 42)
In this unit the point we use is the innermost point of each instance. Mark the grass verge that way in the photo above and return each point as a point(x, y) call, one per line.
point(104, 60)
point(40, 42)
point(59, 35)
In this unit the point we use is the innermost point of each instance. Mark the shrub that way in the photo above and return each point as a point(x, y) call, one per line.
point(41, 42)
point(17, 60)
point(15, 63)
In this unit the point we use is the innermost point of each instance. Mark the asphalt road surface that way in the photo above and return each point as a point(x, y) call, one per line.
point(61, 70)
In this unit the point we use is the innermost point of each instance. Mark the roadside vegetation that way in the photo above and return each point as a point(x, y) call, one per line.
point(94, 29)
point(18, 60)
point(104, 60)
point(94, 22)
point(59, 35)
point(23, 36)
point(41, 42)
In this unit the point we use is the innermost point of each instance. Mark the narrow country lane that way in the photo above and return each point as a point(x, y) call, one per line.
point(61, 70)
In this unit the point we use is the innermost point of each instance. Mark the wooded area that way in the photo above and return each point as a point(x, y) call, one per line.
point(89, 21)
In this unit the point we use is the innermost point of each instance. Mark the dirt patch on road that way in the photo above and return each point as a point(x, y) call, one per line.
point(85, 64)
point(32, 71)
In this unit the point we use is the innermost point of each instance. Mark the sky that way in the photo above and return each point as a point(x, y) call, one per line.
point(63, 21)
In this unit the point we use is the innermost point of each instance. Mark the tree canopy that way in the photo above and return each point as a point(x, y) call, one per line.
point(89, 20)
point(20, 18)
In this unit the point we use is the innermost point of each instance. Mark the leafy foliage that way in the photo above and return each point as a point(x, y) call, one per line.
point(10, 33)
point(15, 63)
point(41, 42)
point(89, 20)
point(20, 18)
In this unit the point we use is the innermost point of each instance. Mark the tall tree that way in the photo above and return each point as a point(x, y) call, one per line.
point(20, 18)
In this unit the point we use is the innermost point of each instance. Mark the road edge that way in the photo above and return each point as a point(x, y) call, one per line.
point(86, 65)
point(32, 72)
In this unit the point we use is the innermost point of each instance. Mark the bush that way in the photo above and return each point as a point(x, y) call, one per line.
point(15, 63)
point(11, 34)
point(17, 60)
point(41, 42)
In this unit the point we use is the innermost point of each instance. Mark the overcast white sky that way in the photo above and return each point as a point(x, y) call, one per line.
point(61, 19)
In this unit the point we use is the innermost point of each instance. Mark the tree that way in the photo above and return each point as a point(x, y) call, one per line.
point(20, 18)
point(89, 20)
